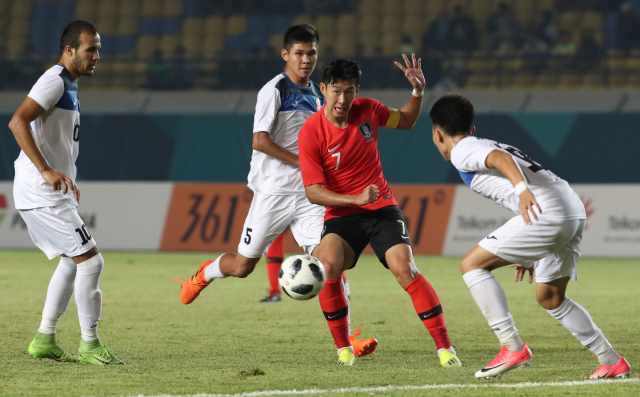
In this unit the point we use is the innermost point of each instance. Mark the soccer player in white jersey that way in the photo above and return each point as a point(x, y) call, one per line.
point(279, 200)
point(47, 128)
point(544, 235)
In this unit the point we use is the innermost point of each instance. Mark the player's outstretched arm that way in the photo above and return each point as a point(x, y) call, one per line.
point(28, 111)
point(411, 110)
point(262, 143)
point(504, 163)
point(325, 197)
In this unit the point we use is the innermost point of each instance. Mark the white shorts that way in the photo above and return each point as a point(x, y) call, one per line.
point(552, 247)
point(270, 215)
point(58, 230)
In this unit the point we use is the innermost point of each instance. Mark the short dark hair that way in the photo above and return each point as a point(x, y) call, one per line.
point(454, 114)
point(71, 34)
point(342, 70)
point(305, 33)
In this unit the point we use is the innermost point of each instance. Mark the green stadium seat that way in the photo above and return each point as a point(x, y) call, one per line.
point(276, 41)
point(107, 26)
point(212, 46)
point(192, 26)
point(390, 24)
point(172, 8)
point(546, 80)
point(236, 24)
point(129, 9)
point(413, 7)
point(169, 45)
point(368, 7)
point(150, 8)
point(368, 24)
point(21, 9)
point(127, 26)
point(300, 19)
point(591, 21)
point(434, 7)
point(593, 80)
point(86, 10)
point(107, 9)
point(346, 24)
point(390, 7)
point(214, 26)
point(146, 46)
point(390, 43)
point(344, 45)
point(325, 25)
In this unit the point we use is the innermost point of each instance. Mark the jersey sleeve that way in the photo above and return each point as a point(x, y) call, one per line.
point(380, 112)
point(266, 109)
point(310, 156)
point(47, 91)
point(470, 155)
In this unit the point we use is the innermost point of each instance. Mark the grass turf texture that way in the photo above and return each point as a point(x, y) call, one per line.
point(227, 342)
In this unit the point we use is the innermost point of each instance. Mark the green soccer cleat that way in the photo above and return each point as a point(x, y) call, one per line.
point(346, 357)
point(448, 359)
point(97, 353)
point(46, 346)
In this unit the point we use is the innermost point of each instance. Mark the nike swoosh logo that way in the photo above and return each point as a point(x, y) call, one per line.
point(329, 317)
point(54, 355)
point(497, 366)
point(331, 150)
point(605, 375)
point(103, 362)
point(75, 102)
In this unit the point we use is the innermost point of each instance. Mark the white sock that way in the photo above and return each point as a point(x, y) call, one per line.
point(578, 321)
point(89, 296)
point(212, 271)
point(347, 294)
point(450, 350)
point(58, 295)
point(489, 296)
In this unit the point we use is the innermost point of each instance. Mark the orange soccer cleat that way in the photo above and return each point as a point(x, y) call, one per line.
point(362, 348)
point(192, 287)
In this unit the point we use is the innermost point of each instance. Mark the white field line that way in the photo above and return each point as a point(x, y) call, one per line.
point(425, 387)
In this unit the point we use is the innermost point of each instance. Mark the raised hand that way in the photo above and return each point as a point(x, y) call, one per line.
point(413, 72)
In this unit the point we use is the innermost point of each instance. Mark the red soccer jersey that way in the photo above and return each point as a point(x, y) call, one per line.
point(347, 160)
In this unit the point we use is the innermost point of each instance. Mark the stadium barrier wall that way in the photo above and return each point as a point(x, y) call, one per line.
point(578, 147)
point(446, 219)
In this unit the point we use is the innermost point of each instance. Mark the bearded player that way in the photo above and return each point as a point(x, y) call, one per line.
point(341, 170)
point(47, 128)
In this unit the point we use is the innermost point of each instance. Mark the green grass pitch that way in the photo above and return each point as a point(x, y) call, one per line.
point(227, 342)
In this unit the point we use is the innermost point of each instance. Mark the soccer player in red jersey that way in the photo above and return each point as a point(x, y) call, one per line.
point(341, 170)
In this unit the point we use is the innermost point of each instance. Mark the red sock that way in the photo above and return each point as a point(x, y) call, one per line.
point(275, 256)
point(334, 306)
point(427, 305)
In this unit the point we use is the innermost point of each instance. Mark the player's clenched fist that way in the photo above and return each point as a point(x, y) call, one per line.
point(369, 195)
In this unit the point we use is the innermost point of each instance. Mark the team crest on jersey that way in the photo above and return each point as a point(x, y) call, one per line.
point(366, 130)
point(318, 104)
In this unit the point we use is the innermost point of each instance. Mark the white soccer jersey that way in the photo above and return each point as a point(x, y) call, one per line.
point(281, 110)
point(56, 133)
point(554, 195)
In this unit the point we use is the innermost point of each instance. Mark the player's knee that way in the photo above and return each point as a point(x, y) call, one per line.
point(468, 264)
point(548, 300)
point(332, 268)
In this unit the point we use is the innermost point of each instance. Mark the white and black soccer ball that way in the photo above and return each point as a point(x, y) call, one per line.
point(302, 277)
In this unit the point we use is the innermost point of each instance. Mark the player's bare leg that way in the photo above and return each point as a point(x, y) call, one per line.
point(337, 256)
point(425, 300)
point(226, 265)
point(552, 296)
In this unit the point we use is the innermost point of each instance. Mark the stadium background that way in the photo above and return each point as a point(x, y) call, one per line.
point(172, 102)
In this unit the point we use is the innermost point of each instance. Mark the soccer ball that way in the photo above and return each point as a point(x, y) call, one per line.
point(302, 277)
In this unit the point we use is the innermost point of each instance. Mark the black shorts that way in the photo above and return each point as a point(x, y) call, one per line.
point(383, 228)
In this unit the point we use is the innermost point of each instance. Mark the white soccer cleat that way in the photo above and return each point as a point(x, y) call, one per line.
point(504, 362)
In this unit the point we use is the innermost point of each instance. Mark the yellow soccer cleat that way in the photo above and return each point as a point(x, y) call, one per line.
point(346, 357)
point(448, 359)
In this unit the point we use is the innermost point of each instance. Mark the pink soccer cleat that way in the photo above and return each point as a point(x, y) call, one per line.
point(505, 361)
point(619, 370)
